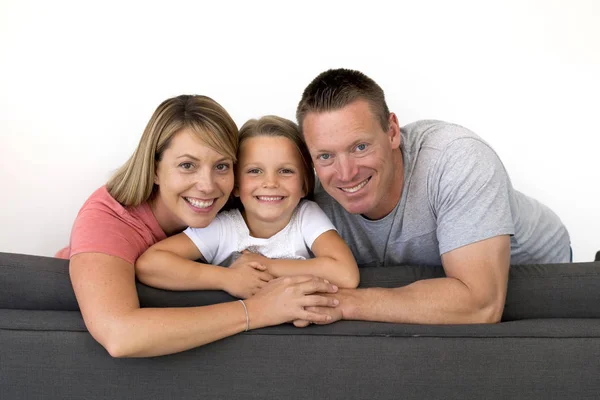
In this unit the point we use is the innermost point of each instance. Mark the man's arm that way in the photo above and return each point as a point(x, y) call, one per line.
point(473, 291)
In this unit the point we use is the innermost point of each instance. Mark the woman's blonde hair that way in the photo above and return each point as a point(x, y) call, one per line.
point(274, 126)
point(133, 183)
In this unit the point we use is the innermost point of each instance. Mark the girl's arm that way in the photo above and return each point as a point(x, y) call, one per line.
point(105, 289)
point(169, 264)
point(333, 261)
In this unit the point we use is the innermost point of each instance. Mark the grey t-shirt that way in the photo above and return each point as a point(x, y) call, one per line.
point(456, 192)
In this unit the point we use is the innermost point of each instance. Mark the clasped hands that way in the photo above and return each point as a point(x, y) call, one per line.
point(302, 299)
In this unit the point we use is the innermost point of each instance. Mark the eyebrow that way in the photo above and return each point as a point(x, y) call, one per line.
point(186, 155)
point(351, 145)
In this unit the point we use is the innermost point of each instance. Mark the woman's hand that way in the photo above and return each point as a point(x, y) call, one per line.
point(285, 299)
point(245, 278)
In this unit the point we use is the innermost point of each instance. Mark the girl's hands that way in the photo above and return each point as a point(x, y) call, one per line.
point(245, 278)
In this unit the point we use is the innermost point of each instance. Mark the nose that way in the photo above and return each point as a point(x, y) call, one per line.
point(205, 181)
point(345, 168)
point(271, 180)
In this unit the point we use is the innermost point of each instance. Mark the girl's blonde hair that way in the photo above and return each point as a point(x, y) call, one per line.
point(274, 126)
point(133, 183)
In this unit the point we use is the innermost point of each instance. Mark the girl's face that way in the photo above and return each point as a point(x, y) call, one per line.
point(194, 182)
point(270, 182)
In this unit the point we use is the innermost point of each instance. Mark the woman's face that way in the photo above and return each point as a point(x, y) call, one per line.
point(194, 182)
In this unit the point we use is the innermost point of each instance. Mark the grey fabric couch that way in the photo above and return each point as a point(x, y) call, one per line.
point(547, 347)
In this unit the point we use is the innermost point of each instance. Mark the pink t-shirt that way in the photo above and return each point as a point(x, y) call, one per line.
point(103, 225)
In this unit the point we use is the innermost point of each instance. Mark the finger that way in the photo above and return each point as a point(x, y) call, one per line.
point(296, 279)
point(316, 300)
point(246, 252)
point(315, 317)
point(317, 285)
point(265, 276)
point(257, 266)
point(300, 323)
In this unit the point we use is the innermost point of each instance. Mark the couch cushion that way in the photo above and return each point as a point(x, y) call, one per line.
point(534, 291)
point(48, 354)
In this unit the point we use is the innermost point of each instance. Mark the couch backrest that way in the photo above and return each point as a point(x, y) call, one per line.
point(534, 291)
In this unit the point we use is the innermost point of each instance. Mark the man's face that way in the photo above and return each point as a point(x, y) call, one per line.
point(358, 163)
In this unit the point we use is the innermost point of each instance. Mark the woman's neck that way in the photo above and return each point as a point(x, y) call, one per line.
point(168, 221)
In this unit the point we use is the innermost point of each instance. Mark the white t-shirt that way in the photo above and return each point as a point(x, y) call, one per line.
point(228, 235)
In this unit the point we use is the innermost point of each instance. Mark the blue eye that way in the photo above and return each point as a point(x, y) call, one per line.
point(324, 156)
point(361, 147)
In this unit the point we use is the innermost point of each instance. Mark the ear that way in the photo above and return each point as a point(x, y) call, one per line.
point(236, 191)
point(393, 131)
point(156, 181)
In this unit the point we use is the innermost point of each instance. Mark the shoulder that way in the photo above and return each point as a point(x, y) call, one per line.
point(104, 225)
point(101, 205)
point(308, 208)
point(224, 221)
point(434, 134)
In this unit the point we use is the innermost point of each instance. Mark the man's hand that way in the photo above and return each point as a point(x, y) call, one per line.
point(336, 314)
point(245, 277)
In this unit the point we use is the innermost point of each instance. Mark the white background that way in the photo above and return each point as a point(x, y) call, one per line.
point(80, 79)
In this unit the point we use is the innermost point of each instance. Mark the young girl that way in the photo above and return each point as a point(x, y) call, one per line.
point(275, 232)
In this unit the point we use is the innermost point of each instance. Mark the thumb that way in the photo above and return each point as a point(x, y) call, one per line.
point(257, 266)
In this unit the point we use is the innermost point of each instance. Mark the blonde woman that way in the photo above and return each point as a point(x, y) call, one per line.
point(180, 175)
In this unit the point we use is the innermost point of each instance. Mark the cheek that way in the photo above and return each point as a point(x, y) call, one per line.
point(227, 184)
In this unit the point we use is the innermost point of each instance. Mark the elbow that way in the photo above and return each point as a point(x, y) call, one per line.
point(490, 313)
point(143, 270)
point(115, 341)
point(119, 348)
point(350, 281)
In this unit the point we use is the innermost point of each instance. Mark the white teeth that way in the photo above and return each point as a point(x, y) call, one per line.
point(355, 188)
point(200, 203)
point(269, 198)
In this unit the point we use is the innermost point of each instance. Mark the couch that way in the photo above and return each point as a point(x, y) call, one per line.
point(546, 347)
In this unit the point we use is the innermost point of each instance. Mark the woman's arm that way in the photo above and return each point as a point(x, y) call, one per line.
point(105, 289)
point(169, 264)
point(333, 261)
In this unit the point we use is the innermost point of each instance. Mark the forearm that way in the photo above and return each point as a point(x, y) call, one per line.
point(148, 332)
point(335, 271)
point(431, 301)
point(166, 270)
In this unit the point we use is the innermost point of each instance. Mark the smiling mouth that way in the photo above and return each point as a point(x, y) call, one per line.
point(199, 203)
point(269, 198)
point(357, 187)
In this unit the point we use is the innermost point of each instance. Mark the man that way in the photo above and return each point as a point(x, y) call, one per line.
point(430, 193)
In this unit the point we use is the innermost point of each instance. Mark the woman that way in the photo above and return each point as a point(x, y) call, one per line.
point(180, 175)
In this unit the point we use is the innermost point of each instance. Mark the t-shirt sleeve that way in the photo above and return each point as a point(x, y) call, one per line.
point(469, 192)
point(207, 239)
point(313, 222)
point(98, 230)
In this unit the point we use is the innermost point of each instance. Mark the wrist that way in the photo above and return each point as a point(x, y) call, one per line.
point(223, 282)
point(349, 303)
point(253, 310)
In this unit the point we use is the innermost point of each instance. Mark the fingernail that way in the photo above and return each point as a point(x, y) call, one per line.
point(335, 287)
point(329, 318)
point(326, 281)
point(336, 302)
